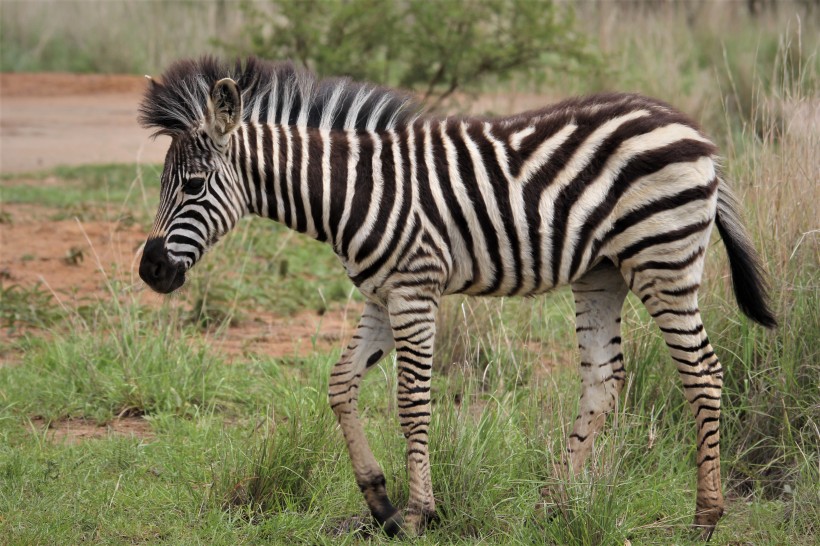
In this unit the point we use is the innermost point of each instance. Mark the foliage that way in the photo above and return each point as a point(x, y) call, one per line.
point(435, 47)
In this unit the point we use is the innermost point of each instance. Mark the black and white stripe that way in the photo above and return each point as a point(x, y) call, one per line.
point(607, 193)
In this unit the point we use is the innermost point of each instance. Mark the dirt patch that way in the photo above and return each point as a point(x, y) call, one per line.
point(64, 83)
point(74, 431)
point(300, 335)
point(83, 263)
point(75, 260)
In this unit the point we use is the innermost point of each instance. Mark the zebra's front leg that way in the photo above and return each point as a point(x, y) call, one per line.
point(371, 342)
point(599, 297)
point(413, 319)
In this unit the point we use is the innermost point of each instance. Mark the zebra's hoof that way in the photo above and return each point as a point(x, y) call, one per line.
point(706, 521)
point(430, 519)
point(415, 523)
point(394, 526)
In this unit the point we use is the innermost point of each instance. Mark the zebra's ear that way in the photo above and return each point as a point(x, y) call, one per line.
point(224, 110)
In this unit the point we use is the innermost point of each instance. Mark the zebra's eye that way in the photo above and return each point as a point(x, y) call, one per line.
point(193, 184)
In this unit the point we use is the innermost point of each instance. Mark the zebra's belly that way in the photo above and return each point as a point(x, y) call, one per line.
point(506, 283)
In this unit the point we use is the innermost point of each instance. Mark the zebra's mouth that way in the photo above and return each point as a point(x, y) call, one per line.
point(158, 271)
point(172, 283)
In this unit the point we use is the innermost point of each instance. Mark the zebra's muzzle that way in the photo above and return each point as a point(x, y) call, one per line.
point(157, 270)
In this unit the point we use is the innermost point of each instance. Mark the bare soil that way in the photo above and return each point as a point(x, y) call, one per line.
point(48, 120)
point(74, 431)
point(73, 259)
point(78, 261)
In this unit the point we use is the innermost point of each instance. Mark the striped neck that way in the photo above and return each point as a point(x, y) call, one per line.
point(306, 178)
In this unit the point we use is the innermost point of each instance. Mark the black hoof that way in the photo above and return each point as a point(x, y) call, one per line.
point(430, 519)
point(393, 526)
point(384, 513)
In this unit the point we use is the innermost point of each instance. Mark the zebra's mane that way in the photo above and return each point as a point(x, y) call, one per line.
point(271, 93)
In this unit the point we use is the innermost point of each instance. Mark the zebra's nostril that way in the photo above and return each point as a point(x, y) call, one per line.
point(158, 270)
point(155, 268)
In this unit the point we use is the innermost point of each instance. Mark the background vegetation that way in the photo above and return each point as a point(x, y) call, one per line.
point(245, 449)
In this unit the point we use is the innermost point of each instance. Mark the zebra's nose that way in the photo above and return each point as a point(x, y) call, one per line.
point(157, 270)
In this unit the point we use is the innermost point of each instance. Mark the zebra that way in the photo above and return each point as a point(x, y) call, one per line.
point(608, 194)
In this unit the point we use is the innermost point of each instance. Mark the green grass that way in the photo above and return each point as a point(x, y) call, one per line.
point(250, 452)
point(90, 192)
point(280, 474)
point(27, 306)
point(115, 37)
point(246, 450)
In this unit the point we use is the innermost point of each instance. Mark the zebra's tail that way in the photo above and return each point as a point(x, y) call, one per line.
point(748, 276)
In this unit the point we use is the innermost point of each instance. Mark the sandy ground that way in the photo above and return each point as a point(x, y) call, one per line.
point(74, 431)
point(69, 119)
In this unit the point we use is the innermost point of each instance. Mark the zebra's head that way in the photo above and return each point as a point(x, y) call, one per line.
point(211, 110)
point(200, 197)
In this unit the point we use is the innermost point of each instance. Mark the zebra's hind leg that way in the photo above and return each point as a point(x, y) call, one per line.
point(372, 341)
point(413, 318)
point(672, 301)
point(599, 297)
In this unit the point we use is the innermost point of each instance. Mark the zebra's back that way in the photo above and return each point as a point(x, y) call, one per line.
point(522, 204)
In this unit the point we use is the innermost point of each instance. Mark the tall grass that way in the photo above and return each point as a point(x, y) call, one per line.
point(129, 36)
point(753, 84)
point(120, 359)
point(249, 452)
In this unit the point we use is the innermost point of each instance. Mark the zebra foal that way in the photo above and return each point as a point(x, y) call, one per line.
point(607, 194)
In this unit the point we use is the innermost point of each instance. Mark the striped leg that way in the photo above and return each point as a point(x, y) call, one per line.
point(599, 297)
point(413, 319)
point(371, 342)
point(674, 305)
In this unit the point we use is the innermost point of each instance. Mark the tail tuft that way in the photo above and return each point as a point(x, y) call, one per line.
point(748, 276)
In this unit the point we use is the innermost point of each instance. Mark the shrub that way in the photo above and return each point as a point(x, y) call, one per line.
point(434, 47)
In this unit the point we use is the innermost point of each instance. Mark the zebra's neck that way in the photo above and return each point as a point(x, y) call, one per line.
point(325, 184)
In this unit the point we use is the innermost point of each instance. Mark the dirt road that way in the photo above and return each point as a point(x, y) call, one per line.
point(73, 119)
point(69, 119)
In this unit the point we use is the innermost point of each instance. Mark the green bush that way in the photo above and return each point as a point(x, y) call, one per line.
point(434, 47)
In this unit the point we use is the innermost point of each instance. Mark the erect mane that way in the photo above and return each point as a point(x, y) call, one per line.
point(271, 93)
